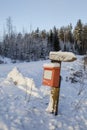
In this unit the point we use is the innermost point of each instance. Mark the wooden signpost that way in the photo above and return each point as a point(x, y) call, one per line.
point(52, 78)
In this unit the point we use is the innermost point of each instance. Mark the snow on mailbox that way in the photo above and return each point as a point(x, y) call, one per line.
point(51, 74)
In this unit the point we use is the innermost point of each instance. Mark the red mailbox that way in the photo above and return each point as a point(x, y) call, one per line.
point(51, 74)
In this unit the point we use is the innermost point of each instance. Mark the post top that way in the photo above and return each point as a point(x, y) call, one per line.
point(62, 56)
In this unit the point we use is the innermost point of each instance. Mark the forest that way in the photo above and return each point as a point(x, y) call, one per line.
point(37, 44)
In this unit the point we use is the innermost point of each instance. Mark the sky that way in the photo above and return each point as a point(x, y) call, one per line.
point(44, 14)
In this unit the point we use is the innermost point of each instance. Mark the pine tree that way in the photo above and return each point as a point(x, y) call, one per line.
point(84, 39)
point(69, 33)
point(55, 40)
point(61, 34)
point(50, 40)
point(78, 36)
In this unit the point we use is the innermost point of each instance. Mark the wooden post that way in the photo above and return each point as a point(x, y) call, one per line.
point(57, 102)
point(55, 92)
point(57, 57)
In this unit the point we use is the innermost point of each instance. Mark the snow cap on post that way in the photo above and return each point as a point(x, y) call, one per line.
point(62, 56)
point(51, 65)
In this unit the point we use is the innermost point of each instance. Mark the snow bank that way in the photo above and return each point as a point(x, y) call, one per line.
point(62, 56)
point(4, 60)
point(16, 77)
point(24, 83)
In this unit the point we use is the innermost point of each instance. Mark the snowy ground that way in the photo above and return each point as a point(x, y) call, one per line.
point(23, 105)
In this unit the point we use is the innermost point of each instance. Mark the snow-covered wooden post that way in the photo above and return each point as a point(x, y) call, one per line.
point(55, 91)
point(52, 76)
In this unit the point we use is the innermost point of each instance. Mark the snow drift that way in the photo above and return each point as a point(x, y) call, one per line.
point(19, 79)
point(24, 83)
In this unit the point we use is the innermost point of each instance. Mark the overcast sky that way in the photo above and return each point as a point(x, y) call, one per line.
point(44, 14)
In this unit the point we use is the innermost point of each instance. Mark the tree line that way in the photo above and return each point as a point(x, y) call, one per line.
point(37, 44)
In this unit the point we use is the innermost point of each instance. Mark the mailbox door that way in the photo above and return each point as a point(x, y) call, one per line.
point(47, 77)
point(51, 76)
